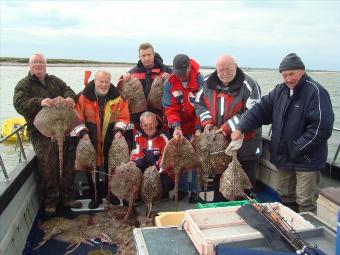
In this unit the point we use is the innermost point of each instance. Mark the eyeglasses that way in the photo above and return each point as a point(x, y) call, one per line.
point(36, 62)
point(148, 126)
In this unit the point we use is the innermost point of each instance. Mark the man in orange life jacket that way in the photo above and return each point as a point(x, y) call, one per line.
point(149, 66)
point(105, 115)
point(227, 94)
point(178, 101)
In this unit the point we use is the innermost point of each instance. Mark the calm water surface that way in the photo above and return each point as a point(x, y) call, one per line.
point(73, 76)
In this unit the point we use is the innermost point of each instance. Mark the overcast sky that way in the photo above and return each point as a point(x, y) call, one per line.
point(256, 33)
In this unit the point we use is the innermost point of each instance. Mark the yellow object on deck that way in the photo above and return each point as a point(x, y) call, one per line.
point(169, 219)
point(9, 125)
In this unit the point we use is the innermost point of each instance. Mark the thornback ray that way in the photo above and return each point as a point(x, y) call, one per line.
point(57, 122)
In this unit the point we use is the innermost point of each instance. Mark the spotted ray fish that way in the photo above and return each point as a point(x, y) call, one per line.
point(206, 146)
point(156, 92)
point(125, 183)
point(57, 122)
point(151, 187)
point(180, 156)
point(132, 90)
point(118, 153)
point(234, 180)
point(86, 160)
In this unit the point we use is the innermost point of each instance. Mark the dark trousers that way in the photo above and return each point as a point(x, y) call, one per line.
point(129, 136)
point(249, 166)
point(101, 186)
point(50, 184)
point(167, 183)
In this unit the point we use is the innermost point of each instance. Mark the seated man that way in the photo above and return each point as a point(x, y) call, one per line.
point(150, 144)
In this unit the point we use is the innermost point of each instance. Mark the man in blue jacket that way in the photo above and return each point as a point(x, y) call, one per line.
point(301, 114)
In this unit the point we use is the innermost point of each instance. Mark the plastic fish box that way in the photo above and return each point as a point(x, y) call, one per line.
point(209, 227)
point(162, 241)
point(222, 204)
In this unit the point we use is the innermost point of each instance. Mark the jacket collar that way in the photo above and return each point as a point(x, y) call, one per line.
point(215, 83)
point(35, 78)
point(298, 86)
point(89, 92)
point(158, 62)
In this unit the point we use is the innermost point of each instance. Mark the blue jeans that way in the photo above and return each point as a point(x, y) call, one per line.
point(187, 181)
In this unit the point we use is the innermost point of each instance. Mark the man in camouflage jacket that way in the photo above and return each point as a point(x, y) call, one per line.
point(32, 93)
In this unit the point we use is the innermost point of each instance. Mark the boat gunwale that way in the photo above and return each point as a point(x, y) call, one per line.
point(19, 175)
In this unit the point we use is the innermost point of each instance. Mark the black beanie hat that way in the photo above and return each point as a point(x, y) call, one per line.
point(291, 62)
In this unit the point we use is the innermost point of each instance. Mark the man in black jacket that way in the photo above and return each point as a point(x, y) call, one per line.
point(301, 114)
point(149, 66)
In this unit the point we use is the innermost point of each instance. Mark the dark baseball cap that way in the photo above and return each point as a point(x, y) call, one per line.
point(181, 63)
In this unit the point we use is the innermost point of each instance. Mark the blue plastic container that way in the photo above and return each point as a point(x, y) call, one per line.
point(337, 242)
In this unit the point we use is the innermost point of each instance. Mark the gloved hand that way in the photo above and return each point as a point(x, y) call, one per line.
point(234, 146)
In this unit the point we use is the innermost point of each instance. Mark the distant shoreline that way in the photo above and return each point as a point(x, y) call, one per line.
point(5, 63)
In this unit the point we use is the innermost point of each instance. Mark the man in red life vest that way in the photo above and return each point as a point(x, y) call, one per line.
point(227, 95)
point(150, 144)
point(178, 101)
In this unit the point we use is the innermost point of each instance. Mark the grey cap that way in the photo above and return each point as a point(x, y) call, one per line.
point(181, 63)
point(291, 62)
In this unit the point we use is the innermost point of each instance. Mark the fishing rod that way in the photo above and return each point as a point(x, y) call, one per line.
point(284, 228)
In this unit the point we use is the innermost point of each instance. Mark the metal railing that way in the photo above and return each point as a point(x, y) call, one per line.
point(338, 149)
point(19, 132)
point(336, 152)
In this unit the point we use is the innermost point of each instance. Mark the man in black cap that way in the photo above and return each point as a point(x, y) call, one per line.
point(178, 101)
point(302, 117)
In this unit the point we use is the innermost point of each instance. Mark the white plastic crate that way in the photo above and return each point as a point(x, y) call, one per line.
point(327, 211)
point(209, 227)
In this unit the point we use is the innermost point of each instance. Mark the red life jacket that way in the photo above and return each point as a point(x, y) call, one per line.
point(181, 106)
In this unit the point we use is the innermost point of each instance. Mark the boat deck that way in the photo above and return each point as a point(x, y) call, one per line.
point(52, 246)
